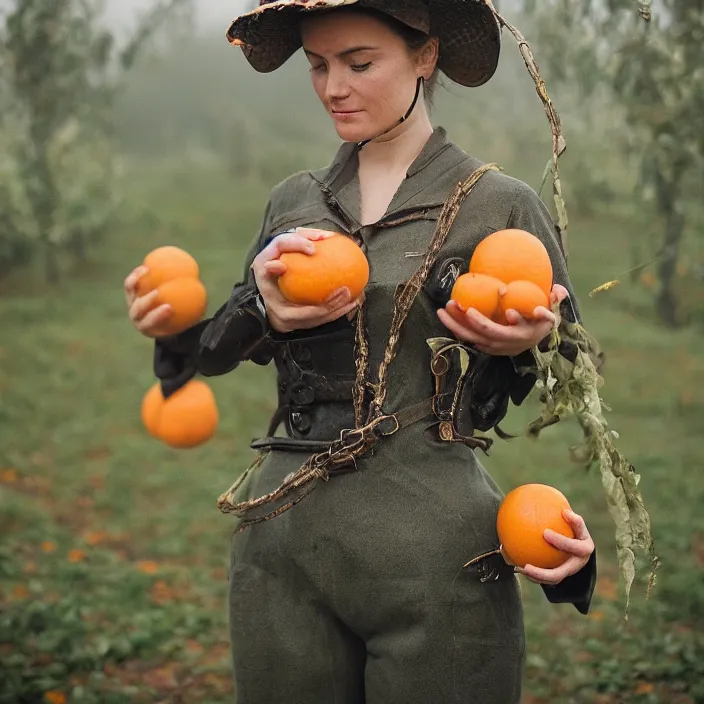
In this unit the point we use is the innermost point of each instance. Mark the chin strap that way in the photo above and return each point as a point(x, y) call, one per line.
point(419, 83)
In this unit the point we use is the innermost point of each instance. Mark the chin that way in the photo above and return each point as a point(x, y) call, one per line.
point(354, 133)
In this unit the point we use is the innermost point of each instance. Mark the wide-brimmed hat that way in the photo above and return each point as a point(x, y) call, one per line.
point(467, 30)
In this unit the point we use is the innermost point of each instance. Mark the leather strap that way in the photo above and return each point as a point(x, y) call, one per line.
point(386, 425)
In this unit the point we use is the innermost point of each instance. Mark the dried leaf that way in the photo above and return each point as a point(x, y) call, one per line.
point(572, 389)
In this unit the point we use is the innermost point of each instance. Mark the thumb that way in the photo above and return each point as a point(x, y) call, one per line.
point(338, 297)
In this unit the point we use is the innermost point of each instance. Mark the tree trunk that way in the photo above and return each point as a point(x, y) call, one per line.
point(668, 191)
point(42, 193)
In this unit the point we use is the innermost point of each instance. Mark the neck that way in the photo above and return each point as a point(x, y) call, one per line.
point(399, 147)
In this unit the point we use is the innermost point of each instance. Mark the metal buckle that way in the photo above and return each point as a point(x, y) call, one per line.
point(379, 429)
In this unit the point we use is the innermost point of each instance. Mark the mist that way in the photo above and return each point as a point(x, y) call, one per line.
point(212, 14)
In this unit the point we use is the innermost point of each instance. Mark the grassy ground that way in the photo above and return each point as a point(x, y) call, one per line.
point(113, 556)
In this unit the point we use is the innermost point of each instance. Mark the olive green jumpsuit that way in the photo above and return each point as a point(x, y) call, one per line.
point(358, 593)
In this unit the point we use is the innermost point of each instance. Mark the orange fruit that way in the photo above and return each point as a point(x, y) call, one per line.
point(152, 403)
point(188, 300)
point(165, 264)
point(523, 516)
point(522, 296)
point(513, 255)
point(309, 279)
point(477, 291)
point(187, 418)
point(174, 273)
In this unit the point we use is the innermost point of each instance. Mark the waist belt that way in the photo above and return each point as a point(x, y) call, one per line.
point(383, 425)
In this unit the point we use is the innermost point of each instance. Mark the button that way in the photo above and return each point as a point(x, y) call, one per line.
point(301, 394)
point(301, 421)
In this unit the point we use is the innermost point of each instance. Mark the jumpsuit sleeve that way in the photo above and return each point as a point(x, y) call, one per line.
point(577, 589)
point(238, 331)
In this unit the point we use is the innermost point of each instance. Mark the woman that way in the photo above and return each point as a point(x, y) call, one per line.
point(358, 593)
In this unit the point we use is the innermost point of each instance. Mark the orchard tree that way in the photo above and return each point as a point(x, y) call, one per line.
point(654, 71)
point(60, 69)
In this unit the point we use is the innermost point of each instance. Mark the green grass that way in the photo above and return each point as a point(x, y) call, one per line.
point(113, 555)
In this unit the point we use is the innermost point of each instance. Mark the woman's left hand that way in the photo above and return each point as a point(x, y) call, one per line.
point(579, 548)
point(495, 339)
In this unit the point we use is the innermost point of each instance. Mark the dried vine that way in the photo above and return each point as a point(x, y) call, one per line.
point(558, 141)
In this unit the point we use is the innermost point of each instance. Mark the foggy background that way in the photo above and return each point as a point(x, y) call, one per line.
point(113, 556)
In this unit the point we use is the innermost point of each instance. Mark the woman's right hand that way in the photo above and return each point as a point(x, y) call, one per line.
point(283, 315)
point(143, 317)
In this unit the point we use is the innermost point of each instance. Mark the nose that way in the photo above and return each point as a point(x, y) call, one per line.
point(336, 86)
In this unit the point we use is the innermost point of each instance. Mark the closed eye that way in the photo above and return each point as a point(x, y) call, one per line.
point(361, 67)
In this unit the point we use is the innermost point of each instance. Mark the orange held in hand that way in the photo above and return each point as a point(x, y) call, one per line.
point(523, 516)
point(478, 291)
point(513, 255)
point(309, 279)
point(520, 261)
point(524, 297)
point(187, 418)
point(174, 273)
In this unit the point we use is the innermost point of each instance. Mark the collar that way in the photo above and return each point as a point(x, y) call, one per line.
point(346, 162)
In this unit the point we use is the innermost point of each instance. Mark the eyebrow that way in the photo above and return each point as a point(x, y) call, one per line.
point(346, 52)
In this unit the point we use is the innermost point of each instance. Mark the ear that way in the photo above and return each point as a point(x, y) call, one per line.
point(428, 57)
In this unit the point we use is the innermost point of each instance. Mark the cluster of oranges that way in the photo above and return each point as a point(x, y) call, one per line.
point(189, 416)
point(175, 275)
point(510, 269)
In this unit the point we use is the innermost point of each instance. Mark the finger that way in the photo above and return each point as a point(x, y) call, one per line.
point(558, 294)
point(490, 330)
point(313, 233)
point(459, 315)
point(579, 527)
point(339, 297)
point(528, 577)
point(574, 546)
point(542, 314)
point(302, 315)
point(556, 575)
point(130, 283)
point(154, 318)
point(289, 242)
point(514, 317)
point(334, 315)
point(142, 305)
point(460, 331)
point(274, 267)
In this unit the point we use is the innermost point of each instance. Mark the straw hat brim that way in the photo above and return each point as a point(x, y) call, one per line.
point(468, 33)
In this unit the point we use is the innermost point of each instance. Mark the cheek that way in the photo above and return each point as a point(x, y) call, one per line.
point(387, 91)
point(318, 81)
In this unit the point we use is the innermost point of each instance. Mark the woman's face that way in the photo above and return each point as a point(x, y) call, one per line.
point(362, 71)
